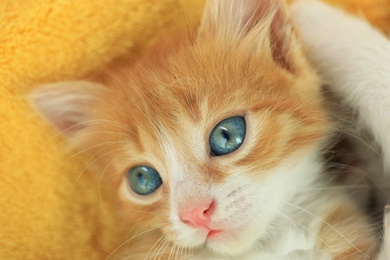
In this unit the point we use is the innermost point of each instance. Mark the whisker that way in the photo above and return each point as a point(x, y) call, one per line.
point(154, 245)
point(88, 148)
point(83, 135)
point(160, 248)
point(89, 163)
point(372, 180)
point(149, 229)
point(303, 226)
point(179, 254)
point(328, 225)
point(100, 185)
point(163, 251)
point(93, 121)
point(338, 187)
point(174, 247)
point(360, 139)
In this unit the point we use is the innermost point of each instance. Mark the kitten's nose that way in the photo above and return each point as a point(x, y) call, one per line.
point(200, 215)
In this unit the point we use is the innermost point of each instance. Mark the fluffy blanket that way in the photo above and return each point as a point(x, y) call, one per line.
point(52, 207)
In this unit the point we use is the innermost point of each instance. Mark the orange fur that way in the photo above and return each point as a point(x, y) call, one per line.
point(376, 12)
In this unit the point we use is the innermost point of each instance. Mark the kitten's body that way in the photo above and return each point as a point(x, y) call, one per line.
point(269, 197)
point(354, 59)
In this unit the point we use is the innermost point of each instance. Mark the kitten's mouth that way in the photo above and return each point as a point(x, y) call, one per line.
point(213, 233)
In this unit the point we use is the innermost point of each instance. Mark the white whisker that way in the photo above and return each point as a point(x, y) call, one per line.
point(328, 225)
point(89, 163)
point(160, 240)
point(149, 229)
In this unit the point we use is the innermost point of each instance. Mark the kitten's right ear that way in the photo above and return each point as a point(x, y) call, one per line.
point(67, 105)
point(259, 25)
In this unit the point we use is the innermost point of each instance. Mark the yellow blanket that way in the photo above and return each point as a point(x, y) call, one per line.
point(51, 207)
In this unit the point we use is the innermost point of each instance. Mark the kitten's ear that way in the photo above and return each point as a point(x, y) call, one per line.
point(260, 25)
point(67, 105)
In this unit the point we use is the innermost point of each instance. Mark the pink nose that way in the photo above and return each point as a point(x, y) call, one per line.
point(200, 215)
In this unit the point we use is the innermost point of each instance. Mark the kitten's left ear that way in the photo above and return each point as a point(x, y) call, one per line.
point(259, 25)
point(67, 105)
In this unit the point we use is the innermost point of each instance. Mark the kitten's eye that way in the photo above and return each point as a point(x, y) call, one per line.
point(144, 180)
point(227, 136)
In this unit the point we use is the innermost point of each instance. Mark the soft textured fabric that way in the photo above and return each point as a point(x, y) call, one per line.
point(51, 207)
point(375, 11)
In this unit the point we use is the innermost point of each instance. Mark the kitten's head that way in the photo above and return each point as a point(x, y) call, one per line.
point(208, 136)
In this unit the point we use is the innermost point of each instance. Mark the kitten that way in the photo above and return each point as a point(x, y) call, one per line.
point(354, 59)
point(214, 141)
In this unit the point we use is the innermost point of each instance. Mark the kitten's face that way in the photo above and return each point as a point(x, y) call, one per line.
point(169, 123)
point(210, 141)
point(225, 202)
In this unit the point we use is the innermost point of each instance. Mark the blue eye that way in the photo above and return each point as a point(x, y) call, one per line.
point(144, 180)
point(227, 136)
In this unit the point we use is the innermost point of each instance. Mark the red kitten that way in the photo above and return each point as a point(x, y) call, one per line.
point(215, 139)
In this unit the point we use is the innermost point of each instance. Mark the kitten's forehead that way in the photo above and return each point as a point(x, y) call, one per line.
point(170, 97)
point(172, 103)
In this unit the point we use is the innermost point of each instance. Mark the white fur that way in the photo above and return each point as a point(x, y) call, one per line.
point(279, 230)
point(259, 219)
point(354, 59)
point(385, 252)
